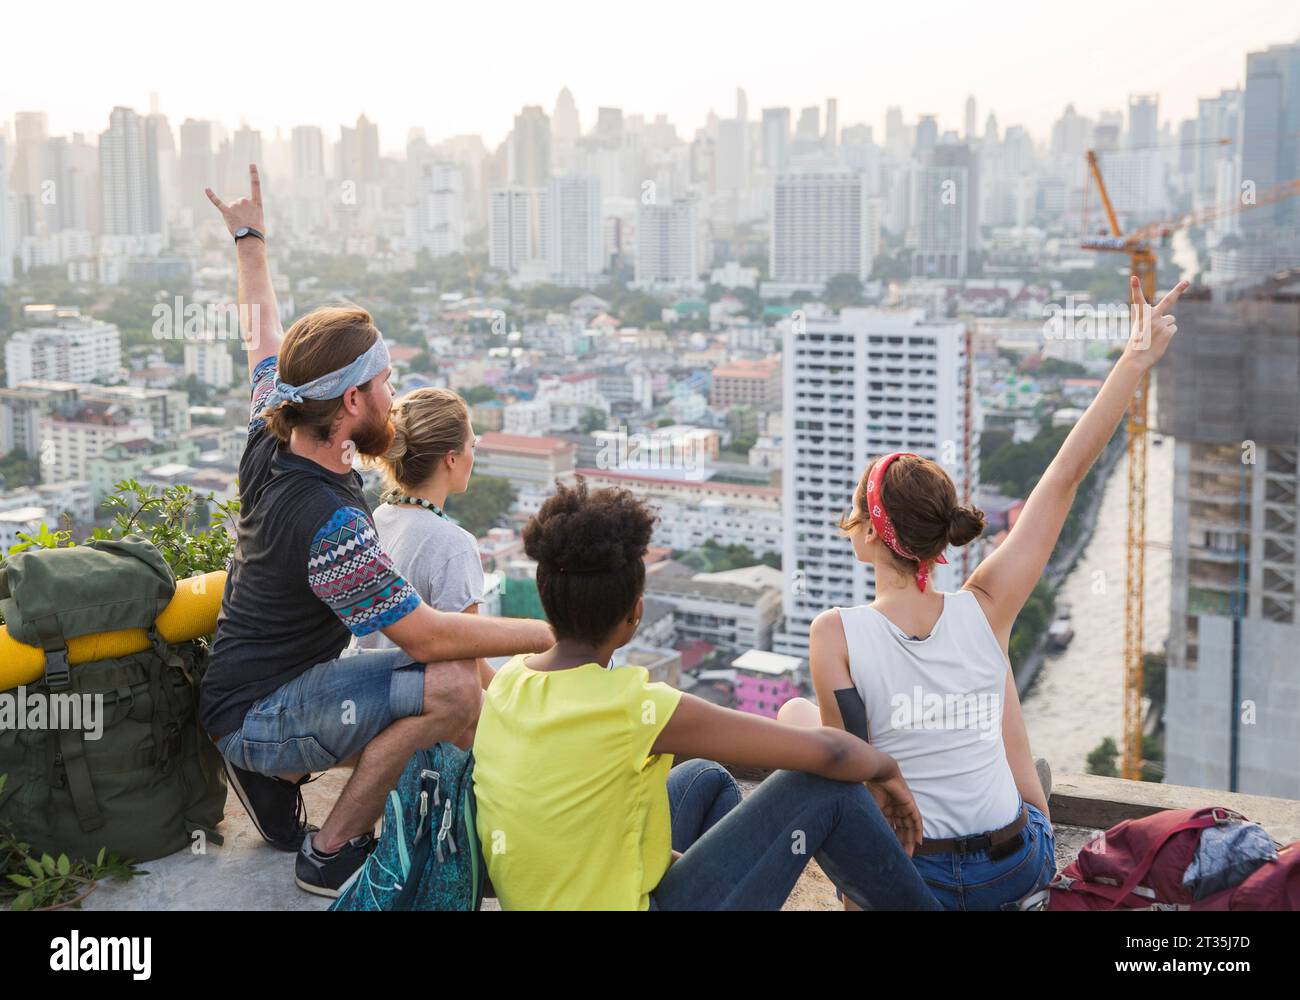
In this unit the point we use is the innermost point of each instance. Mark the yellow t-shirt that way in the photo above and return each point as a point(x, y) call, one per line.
point(572, 807)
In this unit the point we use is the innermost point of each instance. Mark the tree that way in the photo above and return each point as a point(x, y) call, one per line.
point(1062, 368)
point(199, 392)
point(478, 394)
point(843, 290)
point(592, 420)
point(1101, 760)
point(16, 469)
point(480, 507)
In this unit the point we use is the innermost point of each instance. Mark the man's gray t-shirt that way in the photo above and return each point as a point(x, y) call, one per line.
point(438, 558)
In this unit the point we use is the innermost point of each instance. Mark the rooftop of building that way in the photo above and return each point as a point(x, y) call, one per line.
point(523, 444)
point(246, 874)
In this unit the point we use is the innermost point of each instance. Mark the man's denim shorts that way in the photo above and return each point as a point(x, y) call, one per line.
point(327, 714)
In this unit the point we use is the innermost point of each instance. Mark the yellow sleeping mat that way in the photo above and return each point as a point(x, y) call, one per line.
point(192, 612)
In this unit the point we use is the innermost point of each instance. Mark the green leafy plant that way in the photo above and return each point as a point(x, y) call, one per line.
point(33, 883)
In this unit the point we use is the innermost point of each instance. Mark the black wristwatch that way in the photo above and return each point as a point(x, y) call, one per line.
point(243, 231)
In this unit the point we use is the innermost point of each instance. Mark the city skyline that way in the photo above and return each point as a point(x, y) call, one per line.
point(1142, 53)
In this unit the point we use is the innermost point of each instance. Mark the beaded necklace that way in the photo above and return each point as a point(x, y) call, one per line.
point(395, 498)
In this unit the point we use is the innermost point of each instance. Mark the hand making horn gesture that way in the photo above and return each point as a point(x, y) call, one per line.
point(242, 211)
point(1153, 329)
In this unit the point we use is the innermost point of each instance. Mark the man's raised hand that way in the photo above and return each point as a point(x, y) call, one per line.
point(242, 211)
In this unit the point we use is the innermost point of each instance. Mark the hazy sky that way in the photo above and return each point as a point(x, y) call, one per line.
point(456, 67)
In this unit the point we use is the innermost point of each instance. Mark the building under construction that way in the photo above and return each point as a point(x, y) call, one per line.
point(1229, 392)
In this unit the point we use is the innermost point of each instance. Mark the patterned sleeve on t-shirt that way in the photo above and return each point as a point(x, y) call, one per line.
point(349, 571)
point(263, 383)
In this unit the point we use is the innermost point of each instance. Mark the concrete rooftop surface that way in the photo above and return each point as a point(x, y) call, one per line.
point(246, 874)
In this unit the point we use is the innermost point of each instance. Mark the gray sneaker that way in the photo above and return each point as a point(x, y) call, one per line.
point(1044, 776)
point(325, 875)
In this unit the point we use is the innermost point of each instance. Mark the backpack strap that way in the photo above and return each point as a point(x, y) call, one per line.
point(72, 751)
point(58, 674)
point(1140, 870)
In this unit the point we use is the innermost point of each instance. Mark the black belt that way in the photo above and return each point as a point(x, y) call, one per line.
point(999, 843)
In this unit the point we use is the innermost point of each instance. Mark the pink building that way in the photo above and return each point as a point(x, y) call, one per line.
point(765, 681)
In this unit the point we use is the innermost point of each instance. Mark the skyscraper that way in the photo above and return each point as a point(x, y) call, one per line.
point(1229, 396)
point(896, 140)
point(358, 152)
point(131, 202)
point(945, 212)
point(6, 219)
point(307, 166)
point(1270, 131)
point(571, 232)
point(667, 245)
point(530, 148)
point(857, 386)
point(245, 148)
point(198, 165)
point(1217, 119)
point(440, 213)
point(565, 124)
point(776, 140)
point(512, 227)
point(823, 225)
point(733, 155)
point(1143, 121)
point(27, 171)
point(927, 136)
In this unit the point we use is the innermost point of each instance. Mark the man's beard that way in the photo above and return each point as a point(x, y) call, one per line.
point(373, 438)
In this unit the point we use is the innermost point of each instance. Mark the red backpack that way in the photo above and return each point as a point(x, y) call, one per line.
point(1275, 885)
point(1139, 864)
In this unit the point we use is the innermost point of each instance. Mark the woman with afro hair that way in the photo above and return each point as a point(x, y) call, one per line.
point(579, 805)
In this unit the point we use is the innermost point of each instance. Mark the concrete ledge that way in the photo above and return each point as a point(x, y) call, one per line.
point(245, 874)
point(1087, 800)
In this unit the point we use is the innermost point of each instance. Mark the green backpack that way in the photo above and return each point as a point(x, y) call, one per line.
point(143, 779)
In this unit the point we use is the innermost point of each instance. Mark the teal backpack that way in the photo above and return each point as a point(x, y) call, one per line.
point(428, 856)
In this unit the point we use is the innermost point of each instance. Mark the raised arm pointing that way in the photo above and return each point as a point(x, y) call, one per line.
point(1004, 580)
point(259, 312)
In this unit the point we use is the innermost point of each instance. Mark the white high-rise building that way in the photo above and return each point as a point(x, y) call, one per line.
point(822, 226)
point(857, 386)
point(733, 155)
point(776, 140)
point(71, 348)
point(130, 187)
point(210, 361)
point(512, 227)
point(198, 166)
point(667, 245)
point(439, 218)
point(6, 219)
point(571, 231)
point(530, 148)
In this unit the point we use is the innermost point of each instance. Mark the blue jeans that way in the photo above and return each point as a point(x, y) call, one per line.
point(749, 855)
point(971, 881)
point(326, 714)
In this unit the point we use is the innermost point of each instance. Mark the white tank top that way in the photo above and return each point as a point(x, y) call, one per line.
point(935, 705)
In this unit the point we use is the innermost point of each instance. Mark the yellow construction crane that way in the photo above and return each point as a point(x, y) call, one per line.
point(1143, 261)
point(1138, 245)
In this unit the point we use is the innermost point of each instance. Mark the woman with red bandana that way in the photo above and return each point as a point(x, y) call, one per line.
point(925, 676)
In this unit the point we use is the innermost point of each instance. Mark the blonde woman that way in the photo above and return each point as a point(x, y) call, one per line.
point(431, 457)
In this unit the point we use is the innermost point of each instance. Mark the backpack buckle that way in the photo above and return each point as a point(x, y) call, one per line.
point(57, 672)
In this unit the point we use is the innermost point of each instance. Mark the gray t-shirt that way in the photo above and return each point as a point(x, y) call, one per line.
point(438, 558)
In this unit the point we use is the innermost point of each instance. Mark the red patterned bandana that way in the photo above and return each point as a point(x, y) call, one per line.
point(884, 527)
